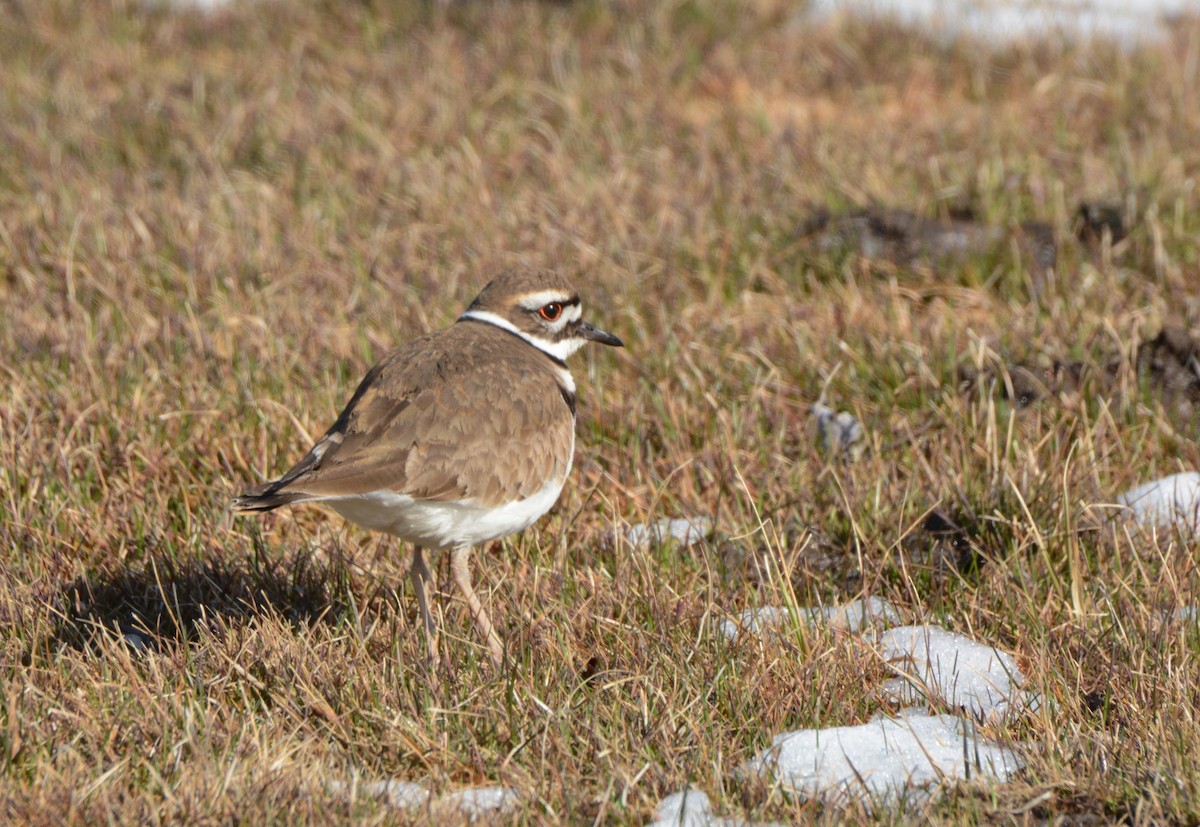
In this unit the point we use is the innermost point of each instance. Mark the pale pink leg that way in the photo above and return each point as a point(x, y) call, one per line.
point(462, 577)
point(421, 578)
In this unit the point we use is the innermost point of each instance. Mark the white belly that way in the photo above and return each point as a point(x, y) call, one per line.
point(442, 525)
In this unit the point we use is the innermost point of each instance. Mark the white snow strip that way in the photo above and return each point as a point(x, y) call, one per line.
point(885, 760)
point(1127, 22)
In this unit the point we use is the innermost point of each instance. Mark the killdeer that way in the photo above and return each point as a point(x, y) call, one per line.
point(457, 438)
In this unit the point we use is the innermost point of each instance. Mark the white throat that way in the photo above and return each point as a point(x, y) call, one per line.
point(559, 350)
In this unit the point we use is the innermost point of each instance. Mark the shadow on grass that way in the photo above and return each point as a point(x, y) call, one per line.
point(163, 601)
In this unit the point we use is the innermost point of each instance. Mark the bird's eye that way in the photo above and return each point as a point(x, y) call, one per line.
point(551, 312)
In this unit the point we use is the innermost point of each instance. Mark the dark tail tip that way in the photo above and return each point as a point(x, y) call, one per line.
point(264, 498)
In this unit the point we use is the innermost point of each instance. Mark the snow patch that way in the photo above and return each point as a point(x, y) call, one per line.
point(939, 666)
point(886, 760)
point(473, 802)
point(854, 616)
point(480, 801)
point(399, 795)
point(685, 531)
point(1007, 21)
point(1173, 500)
point(691, 808)
point(904, 759)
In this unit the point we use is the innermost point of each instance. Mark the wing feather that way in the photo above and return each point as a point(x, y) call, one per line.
point(460, 415)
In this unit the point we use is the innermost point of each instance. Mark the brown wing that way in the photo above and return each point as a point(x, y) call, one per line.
point(460, 415)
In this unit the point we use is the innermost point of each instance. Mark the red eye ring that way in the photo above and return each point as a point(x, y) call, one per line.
point(551, 311)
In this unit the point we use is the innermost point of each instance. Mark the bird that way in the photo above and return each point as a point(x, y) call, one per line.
point(456, 438)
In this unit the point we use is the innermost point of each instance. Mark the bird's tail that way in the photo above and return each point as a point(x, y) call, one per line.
point(266, 497)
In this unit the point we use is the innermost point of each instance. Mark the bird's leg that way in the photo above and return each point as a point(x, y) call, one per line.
point(462, 577)
point(421, 578)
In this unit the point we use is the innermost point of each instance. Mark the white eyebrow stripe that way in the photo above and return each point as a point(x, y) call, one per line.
point(541, 298)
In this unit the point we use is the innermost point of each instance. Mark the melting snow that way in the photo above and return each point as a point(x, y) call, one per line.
point(1125, 21)
point(473, 802)
point(886, 759)
point(691, 808)
point(1170, 500)
point(907, 758)
point(400, 795)
point(685, 531)
point(852, 617)
point(937, 665)
point(480, 801)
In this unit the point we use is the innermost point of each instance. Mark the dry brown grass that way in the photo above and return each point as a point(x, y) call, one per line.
point(210, 225)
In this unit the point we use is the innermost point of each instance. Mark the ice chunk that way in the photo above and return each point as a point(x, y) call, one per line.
point(886, 759)
point(938, 665)
point(1170, 500)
